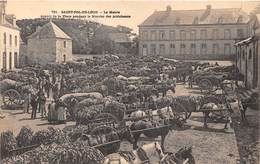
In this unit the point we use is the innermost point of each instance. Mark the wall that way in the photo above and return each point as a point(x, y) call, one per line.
point(61, 50)
point(209, 40)
point(9, 48)
point(41, 51)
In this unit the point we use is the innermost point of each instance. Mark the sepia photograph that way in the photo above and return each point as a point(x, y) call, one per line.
point(129, 82)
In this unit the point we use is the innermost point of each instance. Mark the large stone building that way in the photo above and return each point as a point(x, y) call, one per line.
point(193, 34)
point(247, 54)
point(9, 40)
point(49, 44)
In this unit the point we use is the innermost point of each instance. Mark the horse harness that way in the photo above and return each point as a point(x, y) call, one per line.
point(130, 156)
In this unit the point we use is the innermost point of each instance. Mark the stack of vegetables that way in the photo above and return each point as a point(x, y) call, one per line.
point(48, 136)
point(24, 137)
point(66, 153)
point(8, 143)
point(87, 109)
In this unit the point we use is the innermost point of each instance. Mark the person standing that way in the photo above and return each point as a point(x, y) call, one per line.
point(42, 103)
point(34, 104)
point(27, 102)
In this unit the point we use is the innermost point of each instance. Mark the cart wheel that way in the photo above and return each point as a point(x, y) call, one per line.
point(106, 119)
point(11, 97)
point(110, 135)
point(206, 86)
point(180, 112)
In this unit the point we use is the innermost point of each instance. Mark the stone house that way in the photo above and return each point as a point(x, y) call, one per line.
point(48, 44)
point(120, 42)
point(9, 40)
point(193, 34)
point(247, 54)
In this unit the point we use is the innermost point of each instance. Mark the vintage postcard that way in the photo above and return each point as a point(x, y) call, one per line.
point(129, 82)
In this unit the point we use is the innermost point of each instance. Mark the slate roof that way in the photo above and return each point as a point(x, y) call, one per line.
point(188, 17)
point(50, 30)
point(119, 37)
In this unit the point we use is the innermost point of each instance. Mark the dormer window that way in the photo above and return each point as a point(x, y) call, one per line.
point(196, 20)
point(240, 19)
point(220, 20)
point(177, 21)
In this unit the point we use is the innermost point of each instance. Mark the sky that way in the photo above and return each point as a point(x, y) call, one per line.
point(138, 10)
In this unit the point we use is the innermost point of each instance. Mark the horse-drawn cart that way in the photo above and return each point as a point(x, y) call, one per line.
point(13, 92)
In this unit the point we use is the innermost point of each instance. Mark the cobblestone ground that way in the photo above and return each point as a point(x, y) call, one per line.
point(210, 145)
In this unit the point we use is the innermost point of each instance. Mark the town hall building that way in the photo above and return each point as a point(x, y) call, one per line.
point(193, 34)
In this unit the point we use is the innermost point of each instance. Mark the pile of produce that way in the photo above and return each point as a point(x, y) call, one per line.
point(24, 137)
point(115, 108)
point(74, 133)
point(86, 114)
point(8, 142)
point(48, 136)
point(66, 153)
point(188, 102)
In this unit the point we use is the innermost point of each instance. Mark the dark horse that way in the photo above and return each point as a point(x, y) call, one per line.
point(152, 130)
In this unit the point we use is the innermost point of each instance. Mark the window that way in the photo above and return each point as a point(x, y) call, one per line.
point(144, 50)
point(4, 60)
point(162, 49)
point(10, 39)
point(203, 49)
point(203, 34)
point(183, 49)
point(153, 49)
point(153, 35)
point(172, 49)
point(64, 58)
point(64, 44)
point(172, 35)
point(4, 38)
point(161, 35)
point(250, 54)
point(193, 49)
point(240, 33)
point(183, 35)
point(227, 34)
point(10, 60)
point(215, 48)
point(193, 35)
point(227, 49)
point(15, 60)
point(215, 34)
point(145, 35)
point(15, 40)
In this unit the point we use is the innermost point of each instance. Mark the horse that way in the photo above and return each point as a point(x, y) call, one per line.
point(145, 154)
point(140, 125)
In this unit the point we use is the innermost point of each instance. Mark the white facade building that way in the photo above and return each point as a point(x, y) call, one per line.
point(9, 40)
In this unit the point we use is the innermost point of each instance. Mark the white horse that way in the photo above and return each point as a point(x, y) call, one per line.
point(163, 113)
point(148, 153)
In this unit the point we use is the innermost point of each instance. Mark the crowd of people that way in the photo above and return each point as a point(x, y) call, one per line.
point(45, 97)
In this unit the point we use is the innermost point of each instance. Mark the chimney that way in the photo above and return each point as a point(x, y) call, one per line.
point(2, 11)
point(206, 13)
point(14, 21)
point(168, 8)
point(208, 7)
